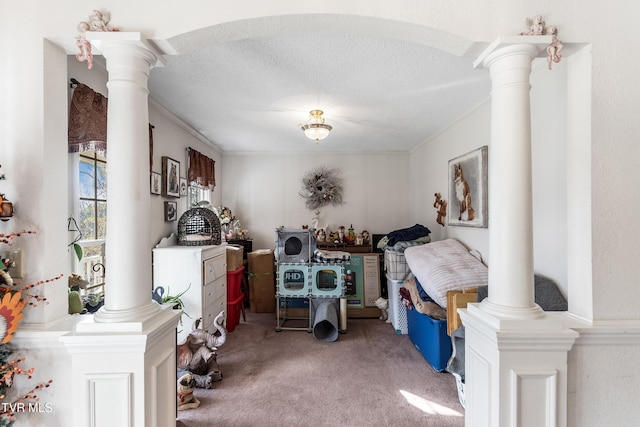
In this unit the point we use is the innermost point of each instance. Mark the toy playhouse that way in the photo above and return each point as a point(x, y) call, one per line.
point(320, 280)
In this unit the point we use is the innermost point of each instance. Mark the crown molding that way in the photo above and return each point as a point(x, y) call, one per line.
point(182, 124)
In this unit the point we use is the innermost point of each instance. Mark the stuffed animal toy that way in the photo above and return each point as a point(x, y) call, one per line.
point(186, 399)
point(441, 205)
point(383, 305)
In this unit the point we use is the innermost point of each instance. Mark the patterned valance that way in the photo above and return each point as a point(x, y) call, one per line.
point(202, 169)
point(87, 121)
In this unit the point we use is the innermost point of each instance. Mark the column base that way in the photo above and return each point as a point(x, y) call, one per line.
point(516, 369)
point(513, 313)
point(126, 375)
point(136, 315)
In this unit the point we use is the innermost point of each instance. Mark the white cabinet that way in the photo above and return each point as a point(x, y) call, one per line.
point(201, 273)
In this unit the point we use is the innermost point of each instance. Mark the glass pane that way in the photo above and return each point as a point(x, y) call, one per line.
point(96, 250)
point(192, 195)
point(87, 175)
point(87, 223)
point(92, 266)
point(102, 220)
point(101, 183)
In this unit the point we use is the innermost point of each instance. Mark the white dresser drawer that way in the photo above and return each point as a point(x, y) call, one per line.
point(214, 267)
point(210, 313)
point(213, 291)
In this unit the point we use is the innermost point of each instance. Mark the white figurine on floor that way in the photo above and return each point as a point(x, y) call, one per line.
point(383, 305)
point(186, 399)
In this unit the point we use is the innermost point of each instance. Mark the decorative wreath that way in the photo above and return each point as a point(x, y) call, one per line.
point(321, 186)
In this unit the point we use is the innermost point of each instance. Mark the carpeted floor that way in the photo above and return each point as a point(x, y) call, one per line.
point(370, 376)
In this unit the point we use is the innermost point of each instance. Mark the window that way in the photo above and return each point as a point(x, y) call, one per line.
point(198, 194)
point(201, 175)
point(90, 207)
point(92, 195)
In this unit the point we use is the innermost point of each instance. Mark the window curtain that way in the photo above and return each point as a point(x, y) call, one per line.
point(202, 169)
point(87, 121)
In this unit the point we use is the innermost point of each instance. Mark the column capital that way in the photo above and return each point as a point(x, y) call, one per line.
point(530, 45)
point(101, 41)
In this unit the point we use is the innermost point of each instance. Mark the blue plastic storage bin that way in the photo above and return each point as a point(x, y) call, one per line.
point(430, 338)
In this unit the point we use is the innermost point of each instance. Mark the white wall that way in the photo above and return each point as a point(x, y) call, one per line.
point(429, 175)
point(170, 139)
point(263, 192)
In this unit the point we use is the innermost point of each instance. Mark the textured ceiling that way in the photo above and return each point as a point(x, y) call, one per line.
point(379, 94)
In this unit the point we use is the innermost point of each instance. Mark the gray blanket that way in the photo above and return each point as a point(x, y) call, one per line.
point(547, 296)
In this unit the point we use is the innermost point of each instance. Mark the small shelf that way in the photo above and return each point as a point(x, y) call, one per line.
point(354, 249)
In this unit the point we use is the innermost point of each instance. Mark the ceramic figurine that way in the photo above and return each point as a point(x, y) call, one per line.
point(99, 21)
point(553, 50)
point(83, 45)
point(536, 27)
point(350, 237)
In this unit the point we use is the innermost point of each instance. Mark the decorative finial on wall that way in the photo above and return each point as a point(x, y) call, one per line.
point(553, 50)
point(98, 21)
point(441, 205)
point(537, 27)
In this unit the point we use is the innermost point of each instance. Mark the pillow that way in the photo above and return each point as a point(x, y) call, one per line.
point(443, 266)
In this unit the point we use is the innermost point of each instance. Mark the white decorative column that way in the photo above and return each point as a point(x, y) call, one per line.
point(128, 275)
point(510, 189)
point(124, 358)
point(515, 353)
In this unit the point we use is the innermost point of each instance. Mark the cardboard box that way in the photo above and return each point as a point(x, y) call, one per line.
point(234, 257)
point(455, 300)
point(365, 270)
point(262, 281)
point(261, 261)
point(262, 292)
point(371, 278)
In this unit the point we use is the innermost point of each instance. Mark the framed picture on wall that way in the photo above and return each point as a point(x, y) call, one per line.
point(155, 183)
point(468, 190)
point(170, 211)
point(183, 186)
point(170, 177)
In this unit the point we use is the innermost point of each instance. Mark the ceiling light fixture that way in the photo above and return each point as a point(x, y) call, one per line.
point(316, 128)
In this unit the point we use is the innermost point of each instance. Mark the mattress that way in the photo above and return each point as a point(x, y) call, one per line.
point(443, 266)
